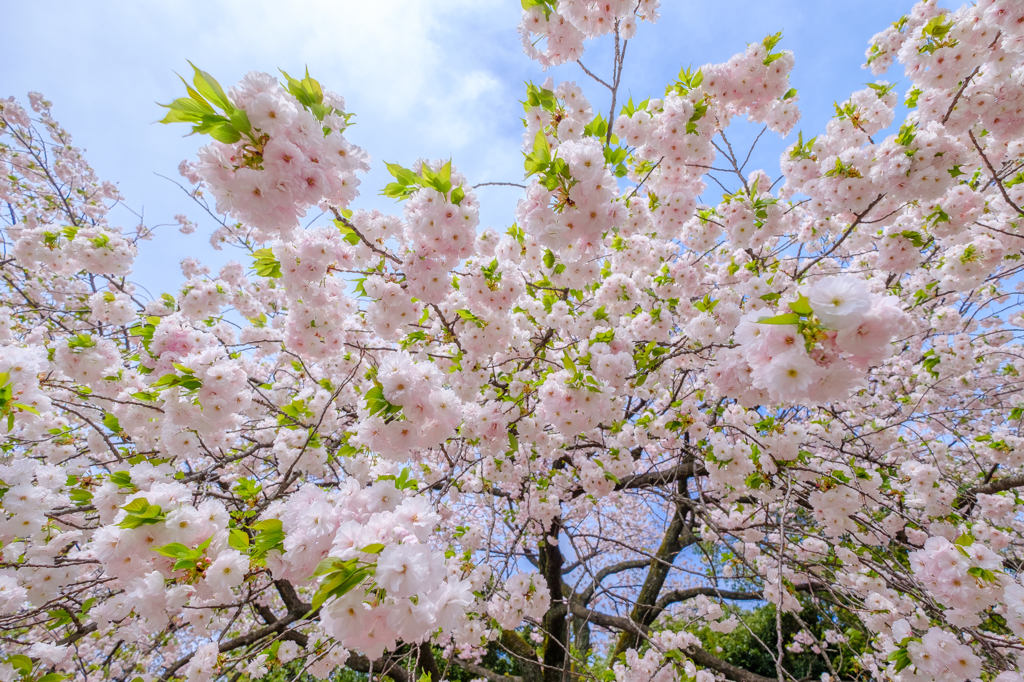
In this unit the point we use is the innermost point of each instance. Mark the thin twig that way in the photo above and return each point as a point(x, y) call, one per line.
point(505, 184)
point(645, 179)
point(593, 75)
point(995, 175)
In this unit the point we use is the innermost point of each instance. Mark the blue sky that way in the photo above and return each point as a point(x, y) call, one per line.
point(425, 79)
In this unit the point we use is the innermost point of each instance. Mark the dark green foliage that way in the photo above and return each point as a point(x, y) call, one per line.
point(742, 648)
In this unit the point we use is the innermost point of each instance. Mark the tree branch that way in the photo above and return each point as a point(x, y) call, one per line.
point(702, 657)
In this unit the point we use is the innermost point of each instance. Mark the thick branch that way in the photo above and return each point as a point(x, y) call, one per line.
point(588, 594)
point(383, 666)
point(676, 596)
point(1005, 483)
point(556, 643)
point(676, 537)
point(656, 478)
point(969, 497)
point(78, 634)
point(427, 664)
point(702, 657)
point(483, 672)
point(524, 654)
point(605, 620)
point(653, 479)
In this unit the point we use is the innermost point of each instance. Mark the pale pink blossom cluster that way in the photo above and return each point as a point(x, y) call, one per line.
point(291, 160)
point(99, 249)
point(563, 25)
point(575, 229)
point(939, 656)
point(756, 83)
point(320, 307)
point(438, 234)
point(423, 594)
point(788, 363)
point(944, 568)
point(117, 309)
point(430, 412)
point(655, 666)
point(573, 409)
point(22, 366)
point(525, 595)
point(88, 360)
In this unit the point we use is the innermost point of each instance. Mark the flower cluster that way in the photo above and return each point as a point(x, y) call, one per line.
point(279, 151)
point(791, 358)
point(564, 24)
point(525, 595)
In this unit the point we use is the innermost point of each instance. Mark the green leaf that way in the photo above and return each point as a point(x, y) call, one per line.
point(270, 525)
point(176, 116)
point(772, 40)
point(915, 238)
point(548, 6)
point(338, 583)
point(136, 506)
point(468, 316)
point(110, 421)
point(53, 677)
point(901, 658)
point(801, 306)
point(541, 148)
point(568, 363)
point(174, 550)
point(186, 110)
point(790, 318)
point(81, 340)
point(982, 574)
point(20, 662)
point(209, 88)
point(269, 536)
point(309, 93)
point(247, 488)
point(350, 234)
point(330, 565)
point(376, 403)
point(122, 479)
point(458, 194)
point(80, 496)
point(224, 132)
point(598, 127)
point(141, 513)
point(239, 540)
point(265, 263)
point(240, 121)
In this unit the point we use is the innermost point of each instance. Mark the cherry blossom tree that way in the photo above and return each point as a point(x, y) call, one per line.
point(592, 447)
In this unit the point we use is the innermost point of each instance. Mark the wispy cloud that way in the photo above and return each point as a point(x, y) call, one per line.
point(425, 78)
